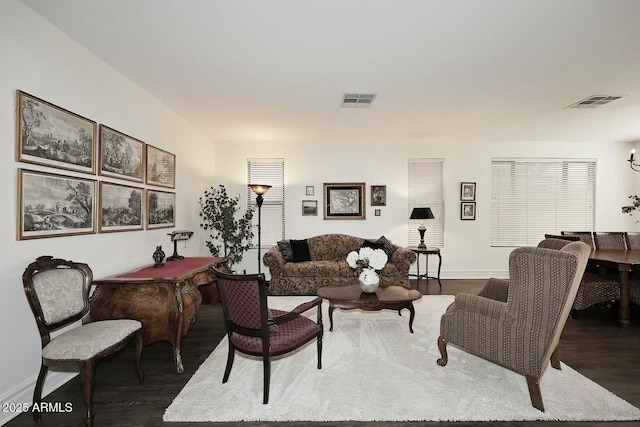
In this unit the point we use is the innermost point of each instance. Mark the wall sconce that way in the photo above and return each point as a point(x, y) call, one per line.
point(635, 166)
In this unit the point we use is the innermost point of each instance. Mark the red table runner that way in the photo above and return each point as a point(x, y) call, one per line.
point(170, 268)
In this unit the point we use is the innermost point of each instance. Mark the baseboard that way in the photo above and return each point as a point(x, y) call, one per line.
point(468, 274)
point(23, 393)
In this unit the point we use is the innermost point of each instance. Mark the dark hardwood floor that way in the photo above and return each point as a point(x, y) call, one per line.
point(592, 344)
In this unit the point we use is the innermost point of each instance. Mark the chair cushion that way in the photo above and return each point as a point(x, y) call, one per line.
point(84, 342)
point(289, 336)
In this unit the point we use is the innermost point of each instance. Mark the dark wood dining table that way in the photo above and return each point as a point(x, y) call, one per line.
point(624, 261)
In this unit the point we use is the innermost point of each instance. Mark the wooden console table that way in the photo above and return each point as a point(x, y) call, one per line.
point(166, 300)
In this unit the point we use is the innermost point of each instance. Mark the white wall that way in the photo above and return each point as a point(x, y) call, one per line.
point(467, 252)
point(41, 60)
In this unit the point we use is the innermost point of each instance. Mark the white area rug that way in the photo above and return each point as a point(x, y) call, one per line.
point(374, 369)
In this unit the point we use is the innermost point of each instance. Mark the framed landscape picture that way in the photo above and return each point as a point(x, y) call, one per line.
point(52, 205)
point(344, 200)
point(468, 211)
point(121, 156)
point(120, 208)
point(309, 208)
point(160, 209)
point(52, 136)
point(161, 167)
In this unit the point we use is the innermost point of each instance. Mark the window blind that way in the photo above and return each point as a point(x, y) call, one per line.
point(531, 197)
point(267, 172)
point(426, 190)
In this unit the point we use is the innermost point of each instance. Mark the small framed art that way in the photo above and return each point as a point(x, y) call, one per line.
point(344, 200)
point(121, 156)
point(161, 167)
point(309, 208)
point(468, 191)
point(160, 209)
point(120, 208)
point(468, 211)
point(378, 195)
point(54, 205)
point(310, 190)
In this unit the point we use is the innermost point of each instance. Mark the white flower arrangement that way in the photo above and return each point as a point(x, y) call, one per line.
point(371, 258)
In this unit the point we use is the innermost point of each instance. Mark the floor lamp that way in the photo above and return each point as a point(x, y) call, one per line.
point(422, 214)
point(259, 189)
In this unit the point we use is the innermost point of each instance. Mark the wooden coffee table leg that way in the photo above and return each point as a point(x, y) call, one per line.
point(411, 316)
point(331, 308)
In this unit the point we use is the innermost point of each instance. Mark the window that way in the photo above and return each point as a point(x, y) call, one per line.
point(268, 172)
point(426, 190)
point(531, 197)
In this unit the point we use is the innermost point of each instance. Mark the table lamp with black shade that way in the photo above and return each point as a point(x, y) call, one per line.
point(421, 214)
point(259, 189)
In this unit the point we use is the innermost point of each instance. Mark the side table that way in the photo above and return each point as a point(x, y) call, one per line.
point(432, 250)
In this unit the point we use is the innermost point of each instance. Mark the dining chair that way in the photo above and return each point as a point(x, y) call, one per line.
point(609, 240)
point(517, 323)
point(255, 329)
point(632, 240)
point(584, 236)
point(58, 294)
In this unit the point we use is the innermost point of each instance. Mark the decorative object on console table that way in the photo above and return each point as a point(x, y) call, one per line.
point(422, 214)
point(259, 189)
point(166, 300)
point(54, 205)
point(121, 156)
point(161, 167)
point(176, 236)
point(158, 256)
point(468, 211)
point(344, 200)
point(52, 136)
point(468, 191)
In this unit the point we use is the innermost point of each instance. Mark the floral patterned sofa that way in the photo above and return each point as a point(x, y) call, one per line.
point(328, 266)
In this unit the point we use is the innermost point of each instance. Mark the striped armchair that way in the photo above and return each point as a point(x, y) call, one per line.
point(517, 323)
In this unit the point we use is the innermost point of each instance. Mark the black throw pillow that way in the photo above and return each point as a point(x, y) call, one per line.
point(300, 250)
point(386, 245)
point(372, 245)
point(285, 250)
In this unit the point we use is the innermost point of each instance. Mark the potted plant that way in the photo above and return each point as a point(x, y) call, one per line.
point(230, 237)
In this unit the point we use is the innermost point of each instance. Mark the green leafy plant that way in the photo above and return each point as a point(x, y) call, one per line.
point(633, 207)
point(230, 237)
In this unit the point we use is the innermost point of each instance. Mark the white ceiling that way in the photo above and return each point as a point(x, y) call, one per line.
point(244, 70)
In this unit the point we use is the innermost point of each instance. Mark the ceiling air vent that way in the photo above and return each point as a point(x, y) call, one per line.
point(357, 100)
point(595, 101)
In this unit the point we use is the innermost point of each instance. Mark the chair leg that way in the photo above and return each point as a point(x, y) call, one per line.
point(137, 341)
point(320, 351)
point(230, 356)
point(86, 378)
point(37, 393)
point(266, 364)
point(534, 392)
point(442, 346)
point(555, 359)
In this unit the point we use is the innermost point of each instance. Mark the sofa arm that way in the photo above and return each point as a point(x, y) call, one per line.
point(274, 260)
point(402, 258)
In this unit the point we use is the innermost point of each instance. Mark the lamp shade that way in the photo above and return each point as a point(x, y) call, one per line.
point(259, 188)
point(421, 213)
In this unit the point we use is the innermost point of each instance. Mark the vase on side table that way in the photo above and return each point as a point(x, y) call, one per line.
point(369, 280)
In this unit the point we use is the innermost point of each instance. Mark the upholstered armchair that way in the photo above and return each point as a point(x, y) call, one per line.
point(255, 329)
point(517, 323)
point(58, 293)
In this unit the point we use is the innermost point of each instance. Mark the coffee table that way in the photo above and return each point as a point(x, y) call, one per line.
point(351, 297)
